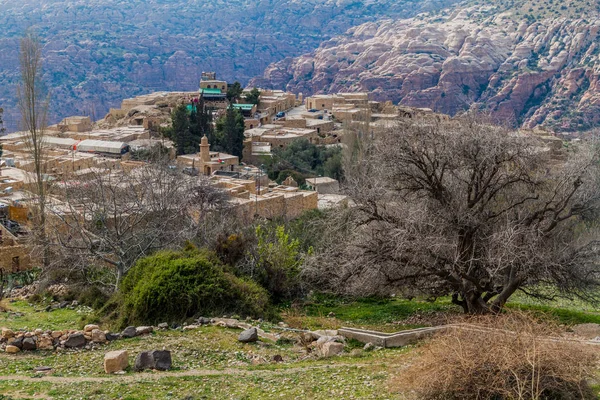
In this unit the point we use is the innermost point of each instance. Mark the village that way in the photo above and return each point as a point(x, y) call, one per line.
point(78, 147)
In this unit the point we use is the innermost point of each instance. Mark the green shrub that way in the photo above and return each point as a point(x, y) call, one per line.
point(173, 286)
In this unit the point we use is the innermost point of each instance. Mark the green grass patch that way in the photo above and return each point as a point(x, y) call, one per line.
point(563, 315)
point(22, 315)
point(374, 311)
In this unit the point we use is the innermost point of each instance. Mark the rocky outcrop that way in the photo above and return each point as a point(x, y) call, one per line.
point(96, 53)
point(527, 72)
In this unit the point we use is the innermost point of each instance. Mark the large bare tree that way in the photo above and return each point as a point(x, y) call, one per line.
point(113, 218)
point(470, 211)
point(33, 104)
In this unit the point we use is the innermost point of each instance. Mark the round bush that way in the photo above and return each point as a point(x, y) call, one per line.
point(173, 286)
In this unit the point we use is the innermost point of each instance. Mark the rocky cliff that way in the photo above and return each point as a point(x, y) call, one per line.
point(525, 69)
point(98, 52)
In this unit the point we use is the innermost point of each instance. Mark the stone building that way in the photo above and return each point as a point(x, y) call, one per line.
point(206, 161)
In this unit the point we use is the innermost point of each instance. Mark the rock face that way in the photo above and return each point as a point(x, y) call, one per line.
point(115, 361)
point(155, 359)
point(97, 53)
point(528, 72)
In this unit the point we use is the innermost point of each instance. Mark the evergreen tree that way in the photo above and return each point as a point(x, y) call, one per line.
point(234, 92)
point(180, 131)
point(253, 97)
point(230, 129)
point(2, 130)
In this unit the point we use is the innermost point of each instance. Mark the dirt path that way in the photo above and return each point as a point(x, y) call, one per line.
point(160, 375)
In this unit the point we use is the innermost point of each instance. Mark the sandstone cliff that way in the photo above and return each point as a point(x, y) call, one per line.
point(527, 71)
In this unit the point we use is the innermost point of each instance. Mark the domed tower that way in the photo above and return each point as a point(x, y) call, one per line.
point(204, 150)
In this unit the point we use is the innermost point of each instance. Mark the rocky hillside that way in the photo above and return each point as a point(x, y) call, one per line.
point(531, 63)
point(100, 51)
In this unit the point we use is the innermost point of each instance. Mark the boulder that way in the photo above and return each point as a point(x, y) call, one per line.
point(248, 336)
point(112, 336)
point(143, 330)
point(75, 340)
point(129, 332)
point(115, 361)
point(90, 328)
point(12, 349)
point(163, 326)
point(16, 341)
point(45, 343)
point(155, 359)
point(203, 321)
point(98, 336)
point(29, 344)
point(330, 349)
point(369, 346)
point(7, 333)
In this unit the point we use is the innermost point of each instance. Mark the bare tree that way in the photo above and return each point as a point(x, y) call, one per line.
point(113, 218)
point(470, 211)
point(33, 105)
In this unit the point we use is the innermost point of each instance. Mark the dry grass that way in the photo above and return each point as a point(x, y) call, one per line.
point(501, 358)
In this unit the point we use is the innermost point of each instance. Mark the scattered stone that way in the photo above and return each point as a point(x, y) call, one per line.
point(190, 327)
point(38, 332)
point(98, 336)
point(7, 333)
point(42, 369)
point(143, 330)
point(89, 328)
point(331, 315)
point(330, 349)
point(75, 340)
point(326, 339)
point(29, 344)
point(56, 334)
point(163, 326)
point(16, 341)
point(277, 358)
point(369, 346)
point(45, 342)
point(248, 336)
point(327, 332)
point(12, 349)
point(112, 336)
point(129, 332)
point(283, 325)
point(203, 321)
point(63, 304)
point(115, 361)
point(155, 359)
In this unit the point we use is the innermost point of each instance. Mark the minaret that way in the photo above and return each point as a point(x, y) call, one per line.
point(204, 150)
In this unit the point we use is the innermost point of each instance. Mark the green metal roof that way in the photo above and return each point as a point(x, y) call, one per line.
point(211, 91)
point(244, 106)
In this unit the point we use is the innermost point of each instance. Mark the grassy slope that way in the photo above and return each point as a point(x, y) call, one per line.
point(220, 367)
